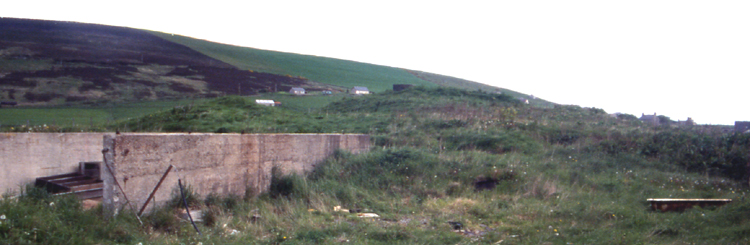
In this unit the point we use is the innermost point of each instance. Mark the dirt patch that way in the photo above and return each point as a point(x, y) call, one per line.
point(91, 203)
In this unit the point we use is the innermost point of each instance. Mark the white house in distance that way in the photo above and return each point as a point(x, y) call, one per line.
point(359, 90)
point(297, 91)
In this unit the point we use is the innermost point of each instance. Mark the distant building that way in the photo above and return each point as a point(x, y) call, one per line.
point(327, 92)
point(524, 100)
point(359, 90)
point(266, 102)
point(399, 87)
point(689, 122)
point(650, 119)
point(741, 126)
point(297, 91)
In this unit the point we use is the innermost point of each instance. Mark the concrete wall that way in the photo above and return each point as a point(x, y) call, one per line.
point(211, 163)
point(26, 156)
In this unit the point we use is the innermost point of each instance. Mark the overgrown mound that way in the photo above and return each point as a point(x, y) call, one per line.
point(422, 98)
point(221, 115)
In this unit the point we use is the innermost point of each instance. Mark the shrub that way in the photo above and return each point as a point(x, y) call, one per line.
point(193, 199)
point(291, 185)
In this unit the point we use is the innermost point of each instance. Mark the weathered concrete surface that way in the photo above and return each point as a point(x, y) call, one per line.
point(26, 156)
point(211, 163)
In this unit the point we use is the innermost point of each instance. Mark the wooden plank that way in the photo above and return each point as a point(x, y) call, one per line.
point(61, 176)
point(676, 204)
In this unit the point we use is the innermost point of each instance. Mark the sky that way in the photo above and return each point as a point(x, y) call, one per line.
point(675, 58)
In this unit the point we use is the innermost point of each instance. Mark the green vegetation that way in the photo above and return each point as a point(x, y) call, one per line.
point(447, 166)
point(319, 69)
point(448, 81)
point(80, 117)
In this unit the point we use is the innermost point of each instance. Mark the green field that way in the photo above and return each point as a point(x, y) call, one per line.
point(82, 116)
point(319, 69)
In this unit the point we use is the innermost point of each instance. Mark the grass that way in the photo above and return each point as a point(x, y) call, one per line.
point(454, 82)
point(305, 103)
point(319, 69)
point(504, 171)
point(81, 116)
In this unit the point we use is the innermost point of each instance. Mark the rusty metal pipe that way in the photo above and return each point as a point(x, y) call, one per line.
point(155, 189)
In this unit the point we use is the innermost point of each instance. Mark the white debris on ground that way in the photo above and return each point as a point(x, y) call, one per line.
point(368, 215)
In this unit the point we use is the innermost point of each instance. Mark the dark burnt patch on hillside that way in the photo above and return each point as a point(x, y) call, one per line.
point(79, 42)
point(235, 81)
point(84, 61)
point(100, 77)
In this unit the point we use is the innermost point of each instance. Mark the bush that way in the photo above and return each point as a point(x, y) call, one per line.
point(289, 186)
point(193, 199)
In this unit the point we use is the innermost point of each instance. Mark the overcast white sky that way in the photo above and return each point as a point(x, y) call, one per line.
point(675, 58)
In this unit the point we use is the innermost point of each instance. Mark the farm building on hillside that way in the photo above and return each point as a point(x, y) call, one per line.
point(360, 90)
point(688, 122)
point(267, 102)
point(297, 91)
point(650, 119)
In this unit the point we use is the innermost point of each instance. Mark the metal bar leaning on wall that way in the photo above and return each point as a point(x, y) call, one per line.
point(155, 189)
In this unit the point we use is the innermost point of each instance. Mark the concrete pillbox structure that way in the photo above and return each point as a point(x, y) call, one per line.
point(222, 164)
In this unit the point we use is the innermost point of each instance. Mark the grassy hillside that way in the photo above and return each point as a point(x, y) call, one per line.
point(447, 166)
point(454, 82)
point(320, 69)
point(49, 63)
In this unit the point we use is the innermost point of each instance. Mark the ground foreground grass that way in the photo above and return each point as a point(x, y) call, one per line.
point(446, 167)
point(547, 198)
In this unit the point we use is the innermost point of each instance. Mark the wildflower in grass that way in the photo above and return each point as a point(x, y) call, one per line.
point(2, 217)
